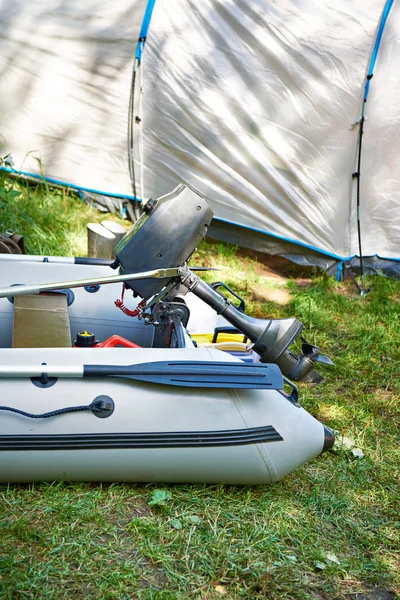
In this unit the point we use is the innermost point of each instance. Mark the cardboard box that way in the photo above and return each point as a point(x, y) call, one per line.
point(41, 321)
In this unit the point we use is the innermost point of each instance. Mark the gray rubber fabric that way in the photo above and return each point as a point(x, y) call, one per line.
point(80, 446)
point(154, 432)
point(105, 320)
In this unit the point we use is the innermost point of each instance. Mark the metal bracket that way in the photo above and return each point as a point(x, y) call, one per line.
point(294, 396)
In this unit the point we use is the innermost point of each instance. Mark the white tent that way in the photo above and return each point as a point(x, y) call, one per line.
point(258, 105)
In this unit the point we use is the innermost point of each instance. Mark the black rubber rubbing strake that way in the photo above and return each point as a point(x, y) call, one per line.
point(177, 439)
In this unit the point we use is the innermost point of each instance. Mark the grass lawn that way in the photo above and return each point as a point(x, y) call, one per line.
point(331, 530)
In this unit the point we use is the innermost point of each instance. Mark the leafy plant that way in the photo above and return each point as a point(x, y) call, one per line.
point(160, 497)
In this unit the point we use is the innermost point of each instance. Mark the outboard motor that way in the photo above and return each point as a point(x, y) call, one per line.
point(165, 236)
point(271, 337)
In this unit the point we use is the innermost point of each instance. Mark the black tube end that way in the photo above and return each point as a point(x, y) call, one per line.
point(329, 439)
point(149, 206)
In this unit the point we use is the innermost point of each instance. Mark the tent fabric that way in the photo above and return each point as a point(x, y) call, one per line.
point(380, 170)
point(65, 76)
point(250, 102)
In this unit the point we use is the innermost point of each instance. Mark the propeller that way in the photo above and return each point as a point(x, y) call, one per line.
point(312, 352)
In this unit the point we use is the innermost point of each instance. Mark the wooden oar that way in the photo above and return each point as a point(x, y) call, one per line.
point(204, 374)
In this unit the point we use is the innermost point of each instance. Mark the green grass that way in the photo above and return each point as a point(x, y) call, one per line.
point(52, 220)
point(205, 542)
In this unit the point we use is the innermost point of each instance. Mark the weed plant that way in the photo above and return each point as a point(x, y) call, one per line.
point(330, 530)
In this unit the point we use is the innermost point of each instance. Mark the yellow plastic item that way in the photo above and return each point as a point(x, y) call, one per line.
point(226, 346)
point(229, 342)
point(202, 338)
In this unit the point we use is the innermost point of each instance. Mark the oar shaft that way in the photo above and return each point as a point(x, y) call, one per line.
point(37, 370)
point(75, 260)
point(23, 290)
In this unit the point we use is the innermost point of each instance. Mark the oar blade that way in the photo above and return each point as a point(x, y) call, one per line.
point(202, 374)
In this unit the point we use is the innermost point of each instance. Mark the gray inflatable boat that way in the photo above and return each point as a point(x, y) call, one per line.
point(93, 393)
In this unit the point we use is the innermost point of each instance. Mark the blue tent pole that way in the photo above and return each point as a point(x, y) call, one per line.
point(357, 174)
point(132, 118)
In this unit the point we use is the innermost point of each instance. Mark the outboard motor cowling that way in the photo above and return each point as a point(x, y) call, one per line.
point(166, 234)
